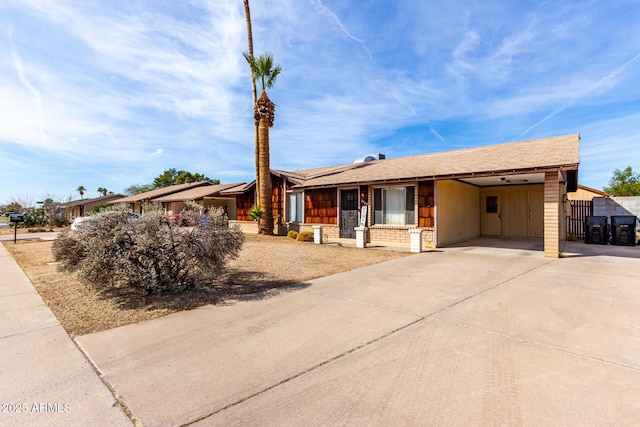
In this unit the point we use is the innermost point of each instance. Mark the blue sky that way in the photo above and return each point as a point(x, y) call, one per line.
point(112, 93)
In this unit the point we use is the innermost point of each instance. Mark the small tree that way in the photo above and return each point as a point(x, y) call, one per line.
point(624, 183)
point(13, 207)
point(25, 200)
point(81, 190)
point(255, 213)
point(173, 176)
point(138, 188)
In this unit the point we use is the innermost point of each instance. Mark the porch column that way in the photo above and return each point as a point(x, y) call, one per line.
point(317, 234)
point(361, 237)
point(415, 240)
point(551, 215)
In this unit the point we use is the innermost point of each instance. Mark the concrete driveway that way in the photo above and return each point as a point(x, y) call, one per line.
point(474, 335)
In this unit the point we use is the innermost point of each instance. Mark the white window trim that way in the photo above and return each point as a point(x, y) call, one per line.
point(372, 205)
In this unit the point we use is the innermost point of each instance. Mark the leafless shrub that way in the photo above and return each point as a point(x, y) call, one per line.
point(151, 253)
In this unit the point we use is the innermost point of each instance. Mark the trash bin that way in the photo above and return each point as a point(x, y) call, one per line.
point(623, 230)
point(595, 230)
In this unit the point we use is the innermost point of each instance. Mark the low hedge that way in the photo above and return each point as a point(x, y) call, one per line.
point(305, 236)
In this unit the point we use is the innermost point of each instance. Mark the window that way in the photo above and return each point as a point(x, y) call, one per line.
point(492, 204)
point(394, 206)
point(295, 207)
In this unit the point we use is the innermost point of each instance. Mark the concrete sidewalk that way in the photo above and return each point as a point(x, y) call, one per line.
point(44, 378)
point(473, 335)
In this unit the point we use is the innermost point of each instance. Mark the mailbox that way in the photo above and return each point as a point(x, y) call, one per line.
point(16, 218)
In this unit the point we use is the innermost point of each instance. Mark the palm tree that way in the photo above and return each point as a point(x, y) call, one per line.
point(266, 71)
point(81, 190)
point(103, 191)
point(247, 15)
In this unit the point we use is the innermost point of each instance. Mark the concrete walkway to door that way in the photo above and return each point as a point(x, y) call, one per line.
point(472, 335)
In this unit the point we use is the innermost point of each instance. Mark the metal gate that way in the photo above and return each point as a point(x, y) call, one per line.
point(349, 211)
point(580, 209)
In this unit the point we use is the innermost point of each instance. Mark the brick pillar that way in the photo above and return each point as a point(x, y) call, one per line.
point(551, 215)
point(317, 234)
point(415, 243)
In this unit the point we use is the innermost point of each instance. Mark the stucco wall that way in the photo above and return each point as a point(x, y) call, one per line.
point(521, 209)
point(457, 212)
point(582, 194)
point(229, 205)
point(174, 207)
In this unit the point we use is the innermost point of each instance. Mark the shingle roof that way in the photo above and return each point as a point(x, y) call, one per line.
point(161, 192)
point(594, 190)
point(239, 189)
point(196, 193)
point(554, 152)
point(106, 199)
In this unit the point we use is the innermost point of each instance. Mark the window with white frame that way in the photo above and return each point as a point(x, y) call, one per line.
point(294, 207)
point(394, 205)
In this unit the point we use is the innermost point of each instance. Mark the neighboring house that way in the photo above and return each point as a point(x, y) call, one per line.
point(586, 193)
point(513, 190)
point(82, 207)
point(207, 196)
point(137, 202)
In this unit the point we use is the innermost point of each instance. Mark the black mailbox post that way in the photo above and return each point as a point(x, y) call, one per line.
point(596, 230)
point(623, 230)
point(15, 218)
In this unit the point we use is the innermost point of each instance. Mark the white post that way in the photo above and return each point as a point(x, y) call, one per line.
point(361, 237)
point(415, 235)
point(317, 234)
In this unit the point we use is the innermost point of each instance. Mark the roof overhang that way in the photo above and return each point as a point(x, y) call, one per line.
point(480, 179)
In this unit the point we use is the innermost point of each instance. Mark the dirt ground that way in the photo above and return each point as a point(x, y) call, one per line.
point(22, 230)
point(265, 265)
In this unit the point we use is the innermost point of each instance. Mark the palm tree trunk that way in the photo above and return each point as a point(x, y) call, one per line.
point(256, 138)
point(265, 191)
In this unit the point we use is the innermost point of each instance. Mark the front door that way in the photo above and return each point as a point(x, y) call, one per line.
point(349, 210)
point(491, 217)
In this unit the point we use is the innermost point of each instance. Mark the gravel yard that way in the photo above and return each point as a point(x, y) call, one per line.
point(266, 264)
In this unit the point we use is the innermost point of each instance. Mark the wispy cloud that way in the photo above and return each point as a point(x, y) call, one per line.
point(603, 84)
point(318, 4)
point(19, 67)
point(123, 91)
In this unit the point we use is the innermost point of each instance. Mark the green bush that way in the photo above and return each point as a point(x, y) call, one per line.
point(255, 213)
point(305, 236)
point(150, 253)
point(35, 218)
point(292, 235)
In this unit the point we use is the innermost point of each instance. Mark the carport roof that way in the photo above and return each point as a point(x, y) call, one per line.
point(555, 153)
point(102, 199)
point(153, 194)
point(196, 193)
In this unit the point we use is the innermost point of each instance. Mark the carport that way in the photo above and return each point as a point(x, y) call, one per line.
point(514, 206)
